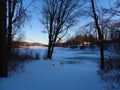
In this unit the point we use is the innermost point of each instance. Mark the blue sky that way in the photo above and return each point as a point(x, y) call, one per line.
point(33, 32)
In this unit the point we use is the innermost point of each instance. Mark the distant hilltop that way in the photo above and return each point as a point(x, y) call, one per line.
point(24, 44)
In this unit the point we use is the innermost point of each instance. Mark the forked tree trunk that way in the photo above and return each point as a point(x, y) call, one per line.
point(51, 46)
point(3, 36)
point(50, 51)
point(49, 55)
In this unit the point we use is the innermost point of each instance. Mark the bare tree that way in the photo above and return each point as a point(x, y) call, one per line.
point(113, 11)
point(12, 16)
point(100, 35)
point(3, 35)
point(17, 14)
point(92, 10)
point(58, 17)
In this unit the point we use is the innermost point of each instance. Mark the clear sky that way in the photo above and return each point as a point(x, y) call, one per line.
point(33, 32)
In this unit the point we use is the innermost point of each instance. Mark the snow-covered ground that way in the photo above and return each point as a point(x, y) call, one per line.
point(70, 69)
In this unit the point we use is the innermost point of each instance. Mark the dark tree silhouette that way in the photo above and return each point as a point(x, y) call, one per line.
point(12, 16)
point(58, 17)
point(113, 23)
point(3, 35)
point(100, 35)
point(16, 17)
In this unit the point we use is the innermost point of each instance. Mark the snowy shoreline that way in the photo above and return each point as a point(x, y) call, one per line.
point(58, 73)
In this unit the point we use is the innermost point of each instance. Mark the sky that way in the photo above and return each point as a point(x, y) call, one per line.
point(33, 28)
point(33, 31)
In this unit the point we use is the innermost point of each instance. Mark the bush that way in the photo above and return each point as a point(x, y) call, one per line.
point(111, 73)
point(113, 64)
point(21, 56)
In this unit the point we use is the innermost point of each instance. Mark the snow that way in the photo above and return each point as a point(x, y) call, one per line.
point(63, 72)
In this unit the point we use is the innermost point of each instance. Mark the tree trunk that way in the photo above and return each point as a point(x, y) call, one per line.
point(49, 50)
point(102, 55)
point(51, 46)
point(100, 36)
point(49, 53)
point(3, 36)
point(9, 43)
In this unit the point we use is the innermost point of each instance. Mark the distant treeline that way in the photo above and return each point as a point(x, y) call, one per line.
point(17, 44)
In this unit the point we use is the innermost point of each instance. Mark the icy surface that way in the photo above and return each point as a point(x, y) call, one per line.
point(68, 70)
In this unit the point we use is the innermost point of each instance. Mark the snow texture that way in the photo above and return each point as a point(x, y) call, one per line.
point(70, 69)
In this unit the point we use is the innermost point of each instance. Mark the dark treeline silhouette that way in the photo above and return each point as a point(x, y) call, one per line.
point(81, 40)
